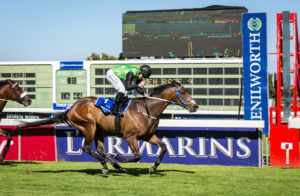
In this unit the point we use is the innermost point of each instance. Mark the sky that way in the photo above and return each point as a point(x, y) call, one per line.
point(70, 30)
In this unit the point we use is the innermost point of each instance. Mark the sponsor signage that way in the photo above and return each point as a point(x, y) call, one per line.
point(255, 68)
point(184, 146)
point(71, 65)
point(13, 153)
point(61, 106)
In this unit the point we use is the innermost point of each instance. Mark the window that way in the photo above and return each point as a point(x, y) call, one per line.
point(215, 71)
point(201, 101)
point(98, 91)
point(31, 96)
point(29, 75)
point(232, 91)
point(65, 96)
point(215, 91)
point(200, 71)
point(156, 71)
point(109, 91)
point(215, 81)
point(98, 80)
point(17, 75)
point(200, 81)
point(29, 89)
point(231, 81)
point(184, 71)
point(77, 95)
point(169, 71)
point(232, 71)
point(99, 71)
point(232, 102)
point(28, 82)
point(216, 102)
point(6, 75)
point(72, 80)
point(200, 91)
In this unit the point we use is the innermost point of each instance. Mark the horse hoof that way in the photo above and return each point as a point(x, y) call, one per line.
point(104, 171)
point(151, 170)
point(123, 170)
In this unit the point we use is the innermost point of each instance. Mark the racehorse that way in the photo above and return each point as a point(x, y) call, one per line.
point(139, 123)
point(10, 90)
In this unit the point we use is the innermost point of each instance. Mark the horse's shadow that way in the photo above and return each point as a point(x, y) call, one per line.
point(16, 163)
point(115, 172)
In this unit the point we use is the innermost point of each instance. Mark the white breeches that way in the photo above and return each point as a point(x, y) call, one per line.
point(116, 82)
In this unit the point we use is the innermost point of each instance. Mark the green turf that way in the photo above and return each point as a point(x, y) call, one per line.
point(74, 178)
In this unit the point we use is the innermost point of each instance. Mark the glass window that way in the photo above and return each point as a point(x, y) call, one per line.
point(201, 101)
point(29, 89)
point(232, 91)
point(232, 102)
point(29, 75)
point(200, 80)
point(169, 71)
point(215, 91)
point(200, 71)
point(215, 80)
point(98, 80)
point(6, 75)
point(99, 71)
point(231, 81)
point(232, 71)
point(72, 80)
point(216, 102)
point(77, 95)
point(200, 91)
point(109, 91)
point(215, 71)
point(31, 96)
point(65, 96)
point(184, 71)
point(17, 75)
point(156, 71)
point(98, 91)
point(29, 82)
point(187, 81)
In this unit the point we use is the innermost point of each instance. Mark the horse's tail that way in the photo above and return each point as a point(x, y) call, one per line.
point(60, 117)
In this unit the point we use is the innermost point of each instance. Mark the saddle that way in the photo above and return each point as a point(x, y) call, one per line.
point(106, 105)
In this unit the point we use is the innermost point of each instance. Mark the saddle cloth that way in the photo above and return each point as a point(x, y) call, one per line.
point(106, 105)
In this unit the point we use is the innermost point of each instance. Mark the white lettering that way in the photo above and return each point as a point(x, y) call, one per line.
point(245, 148)
point(215, 144)
point(187, 147)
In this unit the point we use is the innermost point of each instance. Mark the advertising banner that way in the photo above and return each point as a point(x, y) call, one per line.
point(255, 72)
point(218, 146)
point(13, 153)
point(38, 144)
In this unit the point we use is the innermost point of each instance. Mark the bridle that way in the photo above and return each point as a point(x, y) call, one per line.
point(19, 97)
point(179, 95)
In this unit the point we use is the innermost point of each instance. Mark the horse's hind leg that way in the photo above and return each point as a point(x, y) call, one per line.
point(155, 140)
point(88, 149)
point(101, 150)
point(6, 149)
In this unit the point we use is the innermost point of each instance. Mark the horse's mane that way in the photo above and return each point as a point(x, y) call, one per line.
point(160, 88)
point(3, 82)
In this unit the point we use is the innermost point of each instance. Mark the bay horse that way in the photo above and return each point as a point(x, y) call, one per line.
point(10, 90)
point(137, 123)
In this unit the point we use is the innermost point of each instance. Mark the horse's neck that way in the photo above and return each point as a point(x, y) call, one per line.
point(156, 107)
point(3, 97)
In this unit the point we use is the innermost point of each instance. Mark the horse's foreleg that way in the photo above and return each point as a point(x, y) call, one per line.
point(134, 146)
point(6, 149)
point(155, 140)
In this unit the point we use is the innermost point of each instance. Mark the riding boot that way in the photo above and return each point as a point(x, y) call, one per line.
point(117, 109)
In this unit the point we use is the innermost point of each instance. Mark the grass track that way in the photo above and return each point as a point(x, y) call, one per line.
point(75, 178)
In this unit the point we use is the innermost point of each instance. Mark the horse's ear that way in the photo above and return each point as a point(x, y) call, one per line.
point(173, 83)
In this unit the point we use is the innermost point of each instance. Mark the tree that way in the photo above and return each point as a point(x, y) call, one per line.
point(272, 91)
point(95, 57)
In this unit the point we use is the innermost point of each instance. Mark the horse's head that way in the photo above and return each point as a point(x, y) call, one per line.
point(18, 94)
point(183, 98)
point(177, 94)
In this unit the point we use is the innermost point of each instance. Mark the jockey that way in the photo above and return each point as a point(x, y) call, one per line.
point(127, 74)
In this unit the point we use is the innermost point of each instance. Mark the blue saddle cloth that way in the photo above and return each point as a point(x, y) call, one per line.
point(106, 105)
